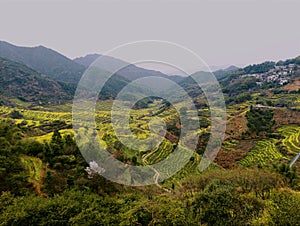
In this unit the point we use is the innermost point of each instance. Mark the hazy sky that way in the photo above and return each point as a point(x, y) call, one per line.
point(222, 32)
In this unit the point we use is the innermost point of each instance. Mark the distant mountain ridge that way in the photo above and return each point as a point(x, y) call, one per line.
point(44, 60)
point(90, 58)
point(60, 68)
point(231, 68)
point(129, 71)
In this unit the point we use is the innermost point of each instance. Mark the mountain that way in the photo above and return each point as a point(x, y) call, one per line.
point(191, 86)
point(130, 72)
point(56, 67)
point(68, 72)
point(223, 73)
point(231, 68)
point(87, 60)
point(18, 81)
point(44, 60)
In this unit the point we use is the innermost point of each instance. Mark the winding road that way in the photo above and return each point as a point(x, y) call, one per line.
point(157, 174)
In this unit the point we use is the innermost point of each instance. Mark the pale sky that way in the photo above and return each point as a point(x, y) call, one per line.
point(222, 32)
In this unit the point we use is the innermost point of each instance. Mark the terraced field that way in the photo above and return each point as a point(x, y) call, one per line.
point(230, 145)
point(5, 110)
point(291, 139)
point(38, 115)
point(46, 115)
point(159, 153)
point(263, 153)
point(191, 168)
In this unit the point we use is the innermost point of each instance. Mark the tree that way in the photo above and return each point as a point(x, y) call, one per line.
point(16, 115)
point(13, 176)
point(260, 120)
point(57, 143)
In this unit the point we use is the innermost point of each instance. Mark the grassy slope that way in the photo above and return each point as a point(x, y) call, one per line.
point(36, 172)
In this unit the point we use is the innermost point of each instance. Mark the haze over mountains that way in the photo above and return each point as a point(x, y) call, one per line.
point(130, 72)
point(54, 75)
point(59, 68)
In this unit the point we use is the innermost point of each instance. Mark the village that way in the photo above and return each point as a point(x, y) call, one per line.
point(279, 75)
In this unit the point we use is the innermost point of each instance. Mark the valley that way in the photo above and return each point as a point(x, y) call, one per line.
point(250, 182)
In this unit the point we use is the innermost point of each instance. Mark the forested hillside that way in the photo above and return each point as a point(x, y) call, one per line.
point(21, 84)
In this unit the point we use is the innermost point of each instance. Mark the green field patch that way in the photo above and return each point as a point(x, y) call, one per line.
point(47, 137)
point(28, 123)
point(34, 166)
point(20, 103)
point(191, 167)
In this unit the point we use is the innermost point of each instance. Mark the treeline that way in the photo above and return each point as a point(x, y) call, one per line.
point(235, 197)
point(289, 61)
point(259, 68)
point(236, 88)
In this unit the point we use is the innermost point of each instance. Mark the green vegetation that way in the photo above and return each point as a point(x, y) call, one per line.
point(258, 68)
point(34, 166)
point(49, 164)
point(237, 197)
point(236, 86)
point(43, 60)
point(260, 120)
point(280, 99)
point(289, 61)
point(28, 86)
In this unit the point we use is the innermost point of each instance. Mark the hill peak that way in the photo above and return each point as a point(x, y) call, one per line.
point(43, 60)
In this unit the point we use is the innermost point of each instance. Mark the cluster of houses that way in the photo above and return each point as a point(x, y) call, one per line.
point(279, 74)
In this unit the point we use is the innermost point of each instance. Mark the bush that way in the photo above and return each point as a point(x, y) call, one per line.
point(221, 204)
point(286, 208)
